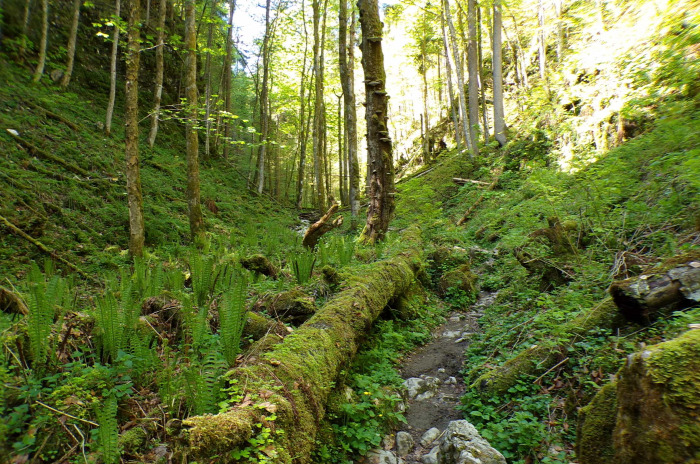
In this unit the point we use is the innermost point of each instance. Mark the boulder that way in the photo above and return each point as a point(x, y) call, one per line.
point(380, 456)
point(433, 457)
point(260, 265)
point(460, 280)
point(404, 443)
point(462, 444)
point(429, 437)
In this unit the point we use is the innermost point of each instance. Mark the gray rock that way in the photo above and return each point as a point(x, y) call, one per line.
point(404, 443)
point(413, 386)
point(380, 456)
point(426, 395)
point(462, 444)
point(429, 437)
point(417, 387)
point(433, 457)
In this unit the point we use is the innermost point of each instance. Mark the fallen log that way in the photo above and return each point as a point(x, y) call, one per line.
point(11, 303)
point(321, 227)
point(491, 186)
point(287, 389)
point(537, 359)
point(642, 298)
point(460, 181)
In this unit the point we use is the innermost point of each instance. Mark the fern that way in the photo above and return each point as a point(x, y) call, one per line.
point(43, 300)
point(108, 432)
point(109, 327)
point(204, 273)
point(303, 265)
point(232, 312)
point(203, 383)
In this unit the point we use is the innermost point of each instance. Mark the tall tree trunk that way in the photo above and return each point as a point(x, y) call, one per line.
point(473, 63)
point(227, 79)
point(194, 208)
point(207, 78)
point(148, 13)
point(317, 133)
point(424, 75)
point(303, 129)
point(341, 158)
point(541, 51)
point(460, 80)
point(131, 130)
point(450, 91)
point(25, 26)
point(381, 203)
point(347, 75)
point(72, 40)
point(482, 85)
point(113, 70)
point(264, 116)
point(39, 71)
point(499, 125)
point(159, 74)
point(558, 9)
point(325, 155)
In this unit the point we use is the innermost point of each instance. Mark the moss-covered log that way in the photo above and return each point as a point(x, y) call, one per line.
point(261, 265)
point(537, 359)
point(294, 379)
point(641, 298)
point(594, 444)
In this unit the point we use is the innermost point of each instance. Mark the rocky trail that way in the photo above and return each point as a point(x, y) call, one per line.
point(435, 432)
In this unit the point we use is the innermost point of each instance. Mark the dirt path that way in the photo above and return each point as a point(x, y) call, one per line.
point(432, 376)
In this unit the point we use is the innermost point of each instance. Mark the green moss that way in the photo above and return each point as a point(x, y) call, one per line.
point(133, 440)
point(460, 280)
point(658, 397)
point(594, 444)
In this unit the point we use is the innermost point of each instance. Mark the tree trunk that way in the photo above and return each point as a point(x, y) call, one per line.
point(473, 63)
point(72, 39)
point(159, 74)
point(194, 208)
point(207, 79)
point(318, 108)
point(25, 26)
point(330, 340)
point(113, 71)
point(450, 90)
point(482, 86)
point(381, 166)
point(303, 128)
point(499, 125)
point(348, 83)
point(424, 76)
point(131, 130)
point(264, 116)
point(314, 233)
point(341, 158)
point(39, 71)
point(460, 80)
point(326, 166)
point(541, 51)
point(227, 80)
point(641, 299)
point(558, 8)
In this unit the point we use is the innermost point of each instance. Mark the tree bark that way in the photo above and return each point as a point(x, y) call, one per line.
point(379, 148)
point(321, 227)
point(264, 114)
point(295, 383)
point(450, 90)
point(318, 108)
point(159, 74)
point(227, 80)
point(482, 85)
point(194, 208)
point(341, 157)
point(25, 26)
point(499, 125)
point(303, 127)
point(131, 130)
point(641, 299)
point(72, 39)
point(460, 80)
point(473, 64)
point(348, 83)
point(207, 78)
point(39, 71)
point(541, 51)
point(113, 70)
point(326, 165)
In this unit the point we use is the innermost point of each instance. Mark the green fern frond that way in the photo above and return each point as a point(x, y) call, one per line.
point(108, 431)
point(232, 312)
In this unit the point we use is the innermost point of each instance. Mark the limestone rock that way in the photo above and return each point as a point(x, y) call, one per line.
point(462, 444)
point(433, 457)
point(404, 443)
point(421, 388)
point(429, 437)
point(380, 456)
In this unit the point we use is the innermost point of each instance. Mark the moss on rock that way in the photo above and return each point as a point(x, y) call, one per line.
point(461, 279)
point(260, 265)
point(659, 404)
point(596, 422)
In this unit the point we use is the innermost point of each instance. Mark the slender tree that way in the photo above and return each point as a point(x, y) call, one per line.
point(303, 121)
point(450, 91)
point(460, 79)
point(264, 113)
point(25, 26)
point(113, 69)
point(499, 126)
point(351, 125)
point(158, 94)
point(194, 208)
point(131, 130)
point(207, 79)
point(72, 40)
point(318, 128)
point(541, 51)
point(482, 86)
point(39, 71)
point(227, 79)
point(381, 194)
point(473, 64)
